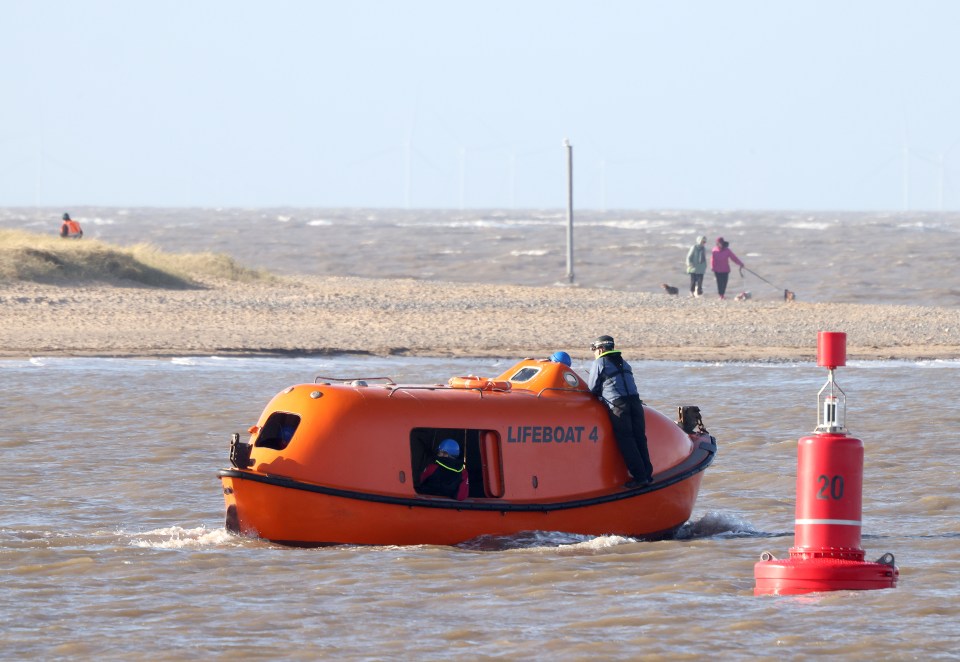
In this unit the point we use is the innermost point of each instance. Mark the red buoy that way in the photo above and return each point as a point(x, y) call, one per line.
point(831, 349)
point(827, 555)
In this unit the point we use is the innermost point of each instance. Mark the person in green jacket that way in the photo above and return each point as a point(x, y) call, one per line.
point(697, 266)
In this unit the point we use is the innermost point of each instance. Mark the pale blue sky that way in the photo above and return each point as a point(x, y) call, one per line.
point(698, 104)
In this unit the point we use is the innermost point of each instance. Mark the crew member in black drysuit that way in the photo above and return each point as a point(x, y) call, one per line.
point(611, 379)
point(447, 476)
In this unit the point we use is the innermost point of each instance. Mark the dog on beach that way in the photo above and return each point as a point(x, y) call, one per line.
point(669, 289)
point(788, 295)
point(743, 296)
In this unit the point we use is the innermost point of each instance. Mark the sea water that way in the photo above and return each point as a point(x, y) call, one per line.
point(113, 546)
point(851, 257)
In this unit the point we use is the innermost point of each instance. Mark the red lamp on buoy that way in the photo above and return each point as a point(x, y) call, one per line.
point(826, 555)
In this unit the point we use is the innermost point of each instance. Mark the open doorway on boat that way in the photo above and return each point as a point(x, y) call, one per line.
point(483, 461)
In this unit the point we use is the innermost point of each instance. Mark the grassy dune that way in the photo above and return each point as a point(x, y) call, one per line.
point(44, 259)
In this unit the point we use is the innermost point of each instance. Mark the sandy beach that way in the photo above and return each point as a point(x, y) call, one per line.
point(324, 315)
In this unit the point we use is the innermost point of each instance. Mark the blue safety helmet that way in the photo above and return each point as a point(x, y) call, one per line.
point(450, 447)
point(561, 357)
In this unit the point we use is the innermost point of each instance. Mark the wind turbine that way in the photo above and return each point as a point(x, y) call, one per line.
point(603, 185)
point(407, 168)
point(942, 166)
point(906, 175)
point(463, 175)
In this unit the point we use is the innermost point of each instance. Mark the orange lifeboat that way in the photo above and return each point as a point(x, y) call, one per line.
point(339, 461)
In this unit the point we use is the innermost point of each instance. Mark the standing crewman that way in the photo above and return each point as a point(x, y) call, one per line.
point(70, 229)
point(611, 379)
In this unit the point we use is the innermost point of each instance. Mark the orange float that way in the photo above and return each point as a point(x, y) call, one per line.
point(479, 383)
point(338, 461)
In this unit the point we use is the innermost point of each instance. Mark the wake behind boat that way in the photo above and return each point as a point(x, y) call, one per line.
point(342, 461)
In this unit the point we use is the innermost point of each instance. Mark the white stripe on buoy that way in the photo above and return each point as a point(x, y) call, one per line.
point(840, 522)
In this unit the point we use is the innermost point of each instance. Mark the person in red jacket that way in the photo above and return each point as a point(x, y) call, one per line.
point(447, 476)
point(720, 264)
point(70, 229)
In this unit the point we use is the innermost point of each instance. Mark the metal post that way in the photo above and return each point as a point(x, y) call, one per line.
point(569, 148)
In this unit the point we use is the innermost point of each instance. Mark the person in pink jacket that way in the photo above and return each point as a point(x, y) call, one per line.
point(720, 259)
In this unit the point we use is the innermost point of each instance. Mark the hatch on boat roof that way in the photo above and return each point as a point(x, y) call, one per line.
point(535, 375)
point(524, 374)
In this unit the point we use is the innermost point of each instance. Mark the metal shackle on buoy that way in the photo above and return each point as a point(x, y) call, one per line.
point(827, 553)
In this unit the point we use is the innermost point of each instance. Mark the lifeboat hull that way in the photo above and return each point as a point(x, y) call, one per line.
point(540, 450)
point(310, 515)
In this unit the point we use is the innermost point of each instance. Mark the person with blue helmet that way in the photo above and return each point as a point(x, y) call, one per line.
point(447, 475)
point(561, 357)
point(611, 380)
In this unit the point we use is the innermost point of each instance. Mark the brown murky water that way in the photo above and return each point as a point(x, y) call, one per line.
point(113, 547)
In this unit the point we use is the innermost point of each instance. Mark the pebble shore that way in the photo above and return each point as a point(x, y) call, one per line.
point(329, 315)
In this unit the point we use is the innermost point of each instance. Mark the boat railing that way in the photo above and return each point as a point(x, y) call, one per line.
point(417, 387)
point(557, 388)
point(316, 380)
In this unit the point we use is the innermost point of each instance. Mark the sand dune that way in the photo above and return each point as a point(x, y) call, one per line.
point(317, 315)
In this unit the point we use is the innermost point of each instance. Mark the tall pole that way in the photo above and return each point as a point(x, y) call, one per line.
point(569, 148)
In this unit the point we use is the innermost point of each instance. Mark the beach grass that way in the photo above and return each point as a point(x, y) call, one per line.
point(27, 256)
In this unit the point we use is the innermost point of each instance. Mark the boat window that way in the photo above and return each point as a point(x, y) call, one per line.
point(483, 457)
point(277, 432)
point(524, 374)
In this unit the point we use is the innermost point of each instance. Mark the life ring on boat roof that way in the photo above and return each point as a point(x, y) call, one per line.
point(481, 383)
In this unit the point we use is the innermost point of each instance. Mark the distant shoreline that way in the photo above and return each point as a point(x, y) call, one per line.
point(314, 316)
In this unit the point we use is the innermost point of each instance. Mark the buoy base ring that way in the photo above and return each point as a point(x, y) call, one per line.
point(812, 575)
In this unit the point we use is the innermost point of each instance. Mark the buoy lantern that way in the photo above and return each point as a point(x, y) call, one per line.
point(827, 553)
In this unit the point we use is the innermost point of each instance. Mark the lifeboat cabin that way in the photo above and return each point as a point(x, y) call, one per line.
point(340, 461)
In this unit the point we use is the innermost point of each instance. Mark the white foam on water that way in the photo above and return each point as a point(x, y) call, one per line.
point(717, 524)
point(808, 225)
point(534, 542)
point(601, 542)
point(625, 224)
point(177, 537)
point(930, 364)
point(480, 223)
point(319, 222)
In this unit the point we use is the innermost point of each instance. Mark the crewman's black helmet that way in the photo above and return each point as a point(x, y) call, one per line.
point(603, 342)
